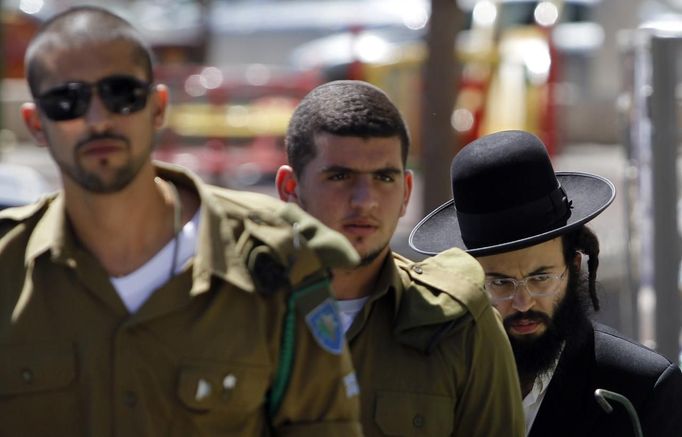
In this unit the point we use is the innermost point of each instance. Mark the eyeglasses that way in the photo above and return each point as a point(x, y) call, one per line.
point(120, 94)
point(540, 285)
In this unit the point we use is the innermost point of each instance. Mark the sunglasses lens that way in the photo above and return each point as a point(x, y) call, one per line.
point(120, 95)
point(65, 102)
point(123, 94)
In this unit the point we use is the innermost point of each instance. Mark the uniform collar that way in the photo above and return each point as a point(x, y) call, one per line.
point(216, 250)
point(388, 284)
point(52, 233)
point(217, 253)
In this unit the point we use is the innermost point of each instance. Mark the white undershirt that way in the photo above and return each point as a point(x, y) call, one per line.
point(533, 400)
point(135, 288)
point(348, 309)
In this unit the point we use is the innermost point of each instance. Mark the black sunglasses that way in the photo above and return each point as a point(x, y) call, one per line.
point(120, 94)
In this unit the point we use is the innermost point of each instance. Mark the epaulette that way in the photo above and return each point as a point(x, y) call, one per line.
point(453, 272)
point(280, 242)
point(441, 293)
point(265, 243)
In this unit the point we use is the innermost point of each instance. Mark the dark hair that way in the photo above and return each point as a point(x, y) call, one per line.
point(583, 240)
point(345, 108)
point(76, 27)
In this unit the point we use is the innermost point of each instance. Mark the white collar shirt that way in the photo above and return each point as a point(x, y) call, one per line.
point(533, 400)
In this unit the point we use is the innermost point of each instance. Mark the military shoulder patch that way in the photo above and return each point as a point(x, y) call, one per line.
point(325, 325)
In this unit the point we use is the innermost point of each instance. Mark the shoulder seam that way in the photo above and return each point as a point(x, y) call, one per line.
point(631, 342)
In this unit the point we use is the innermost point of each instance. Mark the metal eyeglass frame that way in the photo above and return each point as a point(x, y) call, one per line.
point(524, 282)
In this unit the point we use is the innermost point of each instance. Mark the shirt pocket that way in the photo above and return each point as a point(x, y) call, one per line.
point(37, 389)
point(414, 414)
point(220, 398)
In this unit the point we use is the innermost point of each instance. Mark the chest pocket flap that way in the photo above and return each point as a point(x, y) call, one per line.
point(414, 414)
point(239, 388)
point(36, 368)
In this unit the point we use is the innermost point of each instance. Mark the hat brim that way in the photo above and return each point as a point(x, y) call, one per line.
point(439, 230)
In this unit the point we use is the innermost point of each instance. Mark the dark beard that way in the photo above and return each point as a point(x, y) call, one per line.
point(367, 259)
point(91, 181)
point(537, 355)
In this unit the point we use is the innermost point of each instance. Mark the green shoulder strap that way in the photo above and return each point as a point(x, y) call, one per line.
point(299, 270)
point(288, 343)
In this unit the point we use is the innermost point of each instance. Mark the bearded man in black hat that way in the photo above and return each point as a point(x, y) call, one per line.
point(526, 226)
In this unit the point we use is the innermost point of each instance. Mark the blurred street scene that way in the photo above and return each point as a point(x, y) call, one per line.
point(600, 81)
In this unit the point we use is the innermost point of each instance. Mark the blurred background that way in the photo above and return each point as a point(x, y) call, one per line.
point(600, 81)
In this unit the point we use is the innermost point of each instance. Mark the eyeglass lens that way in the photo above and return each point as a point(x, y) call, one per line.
point(119, 94)
point(537, 285)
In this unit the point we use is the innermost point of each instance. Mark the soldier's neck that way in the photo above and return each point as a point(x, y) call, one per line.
point(358, 282)
point(124, 230)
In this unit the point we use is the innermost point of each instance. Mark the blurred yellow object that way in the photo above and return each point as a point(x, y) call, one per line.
point(518, 88)
point(231, 120)
point(508, 66)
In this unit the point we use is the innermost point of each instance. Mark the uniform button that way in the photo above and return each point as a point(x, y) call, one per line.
point(130, 398)
point(27, 375)
point(418, 421)
point(417, 269)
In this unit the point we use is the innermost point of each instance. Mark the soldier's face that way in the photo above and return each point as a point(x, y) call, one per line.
point(358, 187)
point(100, 151)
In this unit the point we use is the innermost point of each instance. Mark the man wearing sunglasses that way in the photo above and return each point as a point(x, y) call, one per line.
point(139, 300)
point(526, 226)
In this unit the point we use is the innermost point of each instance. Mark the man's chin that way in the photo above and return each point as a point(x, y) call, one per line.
point(537, 351)
point(368, 256)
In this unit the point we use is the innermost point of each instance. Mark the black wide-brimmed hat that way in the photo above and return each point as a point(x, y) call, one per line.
point(506, 196)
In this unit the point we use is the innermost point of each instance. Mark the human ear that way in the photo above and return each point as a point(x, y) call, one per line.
point(286, 184)
point(31, 117)
point(160, 98)
point(409, 178)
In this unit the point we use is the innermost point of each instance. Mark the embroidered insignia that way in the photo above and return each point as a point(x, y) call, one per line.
point(325, 325)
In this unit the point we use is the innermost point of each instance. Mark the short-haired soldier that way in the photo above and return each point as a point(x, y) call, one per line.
point(430, 353)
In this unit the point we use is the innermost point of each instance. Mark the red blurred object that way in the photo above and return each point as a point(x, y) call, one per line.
point(18, 28)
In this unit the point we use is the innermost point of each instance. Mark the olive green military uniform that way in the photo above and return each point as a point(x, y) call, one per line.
point(431, 354)
point(201, 355)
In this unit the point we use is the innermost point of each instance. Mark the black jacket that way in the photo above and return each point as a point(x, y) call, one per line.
point(605, 359)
